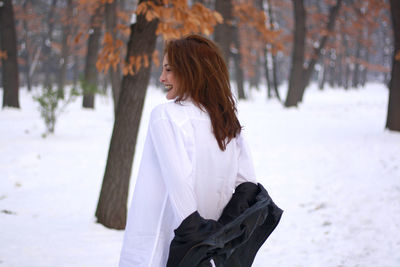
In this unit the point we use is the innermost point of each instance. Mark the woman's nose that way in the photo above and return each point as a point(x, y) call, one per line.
point(162, 79)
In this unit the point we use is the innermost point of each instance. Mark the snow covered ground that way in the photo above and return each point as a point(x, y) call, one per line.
point(329, 164)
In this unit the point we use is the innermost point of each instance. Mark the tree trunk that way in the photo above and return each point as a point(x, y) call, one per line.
point(346, 57)
point(300, 77)
point(90, 76)
point(393, 116)
point(347, 64)
point(322, 75)
point(237, 59)
point(266, 67)
point(333, 13)
point(273, 56)
point(223, 34)
point(65, 49)
point(27, 55)
point(275, 77)
point(47, 40)
point(255, 80)
point(364, 73)
point(115, 75)
point(112, 206)
point(356, 72)
point(8, 37)
point(267, 52)
point(332, 69)
point(297, 70)
point(75, 71)
point(386, 55)
point(339, 66)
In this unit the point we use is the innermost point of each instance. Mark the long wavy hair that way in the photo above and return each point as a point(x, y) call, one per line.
point(203, 77)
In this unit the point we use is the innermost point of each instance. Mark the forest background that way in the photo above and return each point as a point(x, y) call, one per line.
point(59, 50)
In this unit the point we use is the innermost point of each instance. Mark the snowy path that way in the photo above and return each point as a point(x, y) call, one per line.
point(329, 164)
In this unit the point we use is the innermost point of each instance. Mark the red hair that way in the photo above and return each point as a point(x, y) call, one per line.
point(203, 76)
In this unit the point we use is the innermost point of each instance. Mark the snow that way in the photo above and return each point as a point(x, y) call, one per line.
point(330, 164)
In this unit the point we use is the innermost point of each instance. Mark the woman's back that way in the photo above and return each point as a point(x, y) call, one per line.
point(214, 172)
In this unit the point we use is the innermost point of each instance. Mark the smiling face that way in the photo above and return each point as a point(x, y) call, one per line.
point(169, 80)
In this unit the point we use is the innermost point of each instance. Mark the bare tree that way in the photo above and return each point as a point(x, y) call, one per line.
point(8, 44)
point(93, 47)
point(393, 115)
point(274, 77)
point(237, 59)
point(223, 34)
point(115, 75)
point(26, 52)
point(297, 70)
point(66, 31)
point(299, 76)
point(47, 41)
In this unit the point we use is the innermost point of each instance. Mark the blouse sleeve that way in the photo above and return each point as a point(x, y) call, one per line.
point(246, 171)
point(175, 165)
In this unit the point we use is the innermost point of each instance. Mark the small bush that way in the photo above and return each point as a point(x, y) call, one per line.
point(52, 104)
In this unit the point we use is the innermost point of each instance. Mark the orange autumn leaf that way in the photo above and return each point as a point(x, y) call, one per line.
point(77, 37)
point(3, 54)
point(146, 61)
point(155, 58)
point(138, 62)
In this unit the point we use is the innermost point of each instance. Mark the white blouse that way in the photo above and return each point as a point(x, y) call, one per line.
point(182, 170)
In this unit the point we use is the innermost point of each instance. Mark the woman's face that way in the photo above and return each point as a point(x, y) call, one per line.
point(168, 79)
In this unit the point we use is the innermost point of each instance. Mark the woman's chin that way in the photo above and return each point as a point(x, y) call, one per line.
point(170, 95)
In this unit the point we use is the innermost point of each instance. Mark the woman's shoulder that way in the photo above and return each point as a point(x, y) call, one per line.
point(171, 110)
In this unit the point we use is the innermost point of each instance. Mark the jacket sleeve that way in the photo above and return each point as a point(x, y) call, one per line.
point(246, 171)
point(175, 164)
point(234, 240)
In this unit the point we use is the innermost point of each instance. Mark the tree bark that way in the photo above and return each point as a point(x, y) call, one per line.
point(297, 70)
point(65, 49)
point(75, 71)
point(322, 77)
point(393, 115)
point(300, 77)
point(26, 53)
point(115, 75)
point(47, 40)
point(112, 206)
point(223, 34)
point(90, 74)
point(333, 13)
point(267, 77)
point(356, 72)
point(347, 64)
point(387, 42)
point(339, 66)
point(364, 73)
point(273, 56)
point(266, 52)
point(8, 37)
point(237, 59)
point(331, 69)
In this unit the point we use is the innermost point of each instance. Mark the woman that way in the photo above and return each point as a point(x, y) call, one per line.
point(194, 154)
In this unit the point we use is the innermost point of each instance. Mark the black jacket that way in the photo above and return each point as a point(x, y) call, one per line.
point(232, 241)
